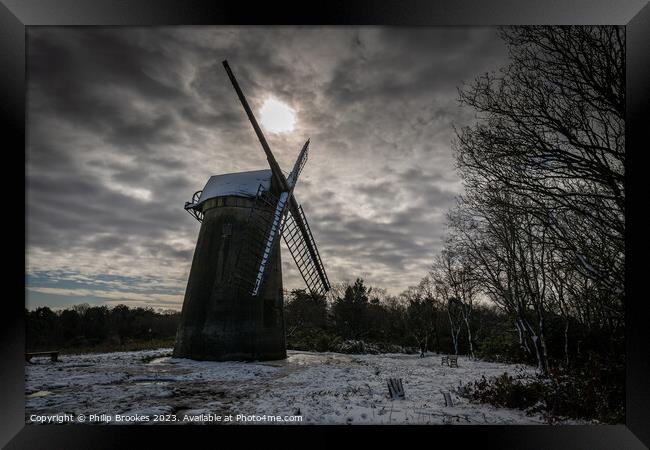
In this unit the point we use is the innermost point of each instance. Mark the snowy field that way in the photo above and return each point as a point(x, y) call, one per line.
point(307, 388)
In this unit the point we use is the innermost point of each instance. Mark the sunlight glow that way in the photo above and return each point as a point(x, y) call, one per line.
point(277, 117)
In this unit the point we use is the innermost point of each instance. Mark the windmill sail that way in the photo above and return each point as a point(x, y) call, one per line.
point(278, 216)
point(275, 167)
point(300, 163)
point(311, 269)
point(280, 210)
point(307, 258)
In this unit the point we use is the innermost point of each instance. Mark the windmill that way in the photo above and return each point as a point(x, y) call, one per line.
point(233, 305)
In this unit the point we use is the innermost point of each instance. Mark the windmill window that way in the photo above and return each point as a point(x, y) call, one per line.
point(226, 229)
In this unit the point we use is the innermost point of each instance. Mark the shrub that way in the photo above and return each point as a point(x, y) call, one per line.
point(593, 390)
point(506, 391)
point(313, 340)
point(500, 347)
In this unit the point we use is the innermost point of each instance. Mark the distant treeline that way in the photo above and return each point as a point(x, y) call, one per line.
point(353, 313)
point(100, 328)
point(420, 316)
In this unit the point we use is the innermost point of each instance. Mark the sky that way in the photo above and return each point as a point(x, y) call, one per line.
point(125, 124)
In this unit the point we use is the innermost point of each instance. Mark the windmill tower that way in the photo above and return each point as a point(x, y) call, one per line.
point(233, 306)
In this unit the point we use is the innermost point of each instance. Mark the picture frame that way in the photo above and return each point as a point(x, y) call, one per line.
point(17, 15)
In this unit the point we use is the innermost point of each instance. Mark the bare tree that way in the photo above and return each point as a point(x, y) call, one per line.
point(422, 308)
point(454, 281)
point(542, 219)
point(551, 131)
point(507, 249)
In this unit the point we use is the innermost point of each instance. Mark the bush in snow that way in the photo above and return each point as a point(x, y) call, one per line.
point(593, 390)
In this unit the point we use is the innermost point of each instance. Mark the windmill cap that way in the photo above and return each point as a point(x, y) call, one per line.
point(239, 184)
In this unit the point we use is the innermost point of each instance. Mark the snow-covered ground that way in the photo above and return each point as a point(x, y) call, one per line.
point(312, 388)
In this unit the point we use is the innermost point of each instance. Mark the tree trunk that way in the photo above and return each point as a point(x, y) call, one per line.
point(566, 342)
point(455, 337)
point(469, 337)
point(542, 365)
point(436, 339)
point(454, 334)
point(542, 341)
point(522, 337)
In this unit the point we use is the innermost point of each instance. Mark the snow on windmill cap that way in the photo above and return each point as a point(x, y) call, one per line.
point(240, 184)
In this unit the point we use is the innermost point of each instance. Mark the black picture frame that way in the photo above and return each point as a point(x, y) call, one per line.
point(16, 15)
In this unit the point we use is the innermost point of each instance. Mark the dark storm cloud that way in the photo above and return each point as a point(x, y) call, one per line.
point(90, 78)
point(415, 62)
point(124, 124)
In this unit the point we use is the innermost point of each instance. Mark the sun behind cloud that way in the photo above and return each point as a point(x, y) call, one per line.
point(276, 116)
